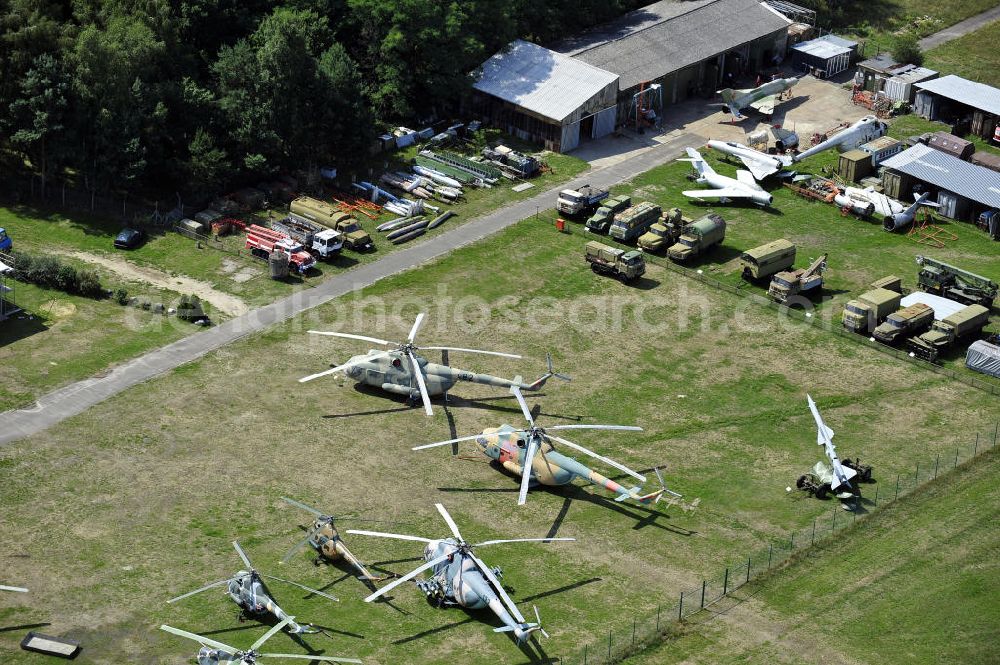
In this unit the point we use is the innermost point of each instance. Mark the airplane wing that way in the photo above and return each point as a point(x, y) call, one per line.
point(746, 178)
point(883, 204)
point(758, 167)
point(765, 104)
point(841, 474)
point(725, 193)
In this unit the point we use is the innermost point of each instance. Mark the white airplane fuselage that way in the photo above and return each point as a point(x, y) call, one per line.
point(867, 129)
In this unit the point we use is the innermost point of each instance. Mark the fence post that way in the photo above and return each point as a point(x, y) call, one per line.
point(725, 583)
point(916, 475)
point(956, 456)
point(791, 543)
point(876, 494)
point(584, 654)
point(609, 645)
point(936, 462)
point(996, 430)
point(897, 487)
point(680, 612)
point(703, 585)
point(814, 532)
point(770, 547)
point(748, 570)
point(633, 632)
point(975, 450)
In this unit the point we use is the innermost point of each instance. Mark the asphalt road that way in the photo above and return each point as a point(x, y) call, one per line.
point(81, 395)
point(959, 29)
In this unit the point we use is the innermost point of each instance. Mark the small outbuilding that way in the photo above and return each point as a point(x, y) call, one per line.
point(824, 56)
point(951, 145)
point(7, 305)
point(957, 100)
point(987, 160)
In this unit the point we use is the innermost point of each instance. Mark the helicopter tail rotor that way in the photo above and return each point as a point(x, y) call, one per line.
point(537, 385)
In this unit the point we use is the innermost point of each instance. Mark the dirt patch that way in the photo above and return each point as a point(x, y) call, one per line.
point(224, 302)
point(58, 309)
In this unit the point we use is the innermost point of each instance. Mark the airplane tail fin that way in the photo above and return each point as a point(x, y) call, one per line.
point(699, 163)
point(729, 101)
point(537, 385)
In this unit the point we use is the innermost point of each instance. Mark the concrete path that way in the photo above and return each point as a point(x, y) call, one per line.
point(959, 29)
point(77, 397)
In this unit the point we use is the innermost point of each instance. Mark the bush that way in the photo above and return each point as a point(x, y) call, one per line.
point(90, 284)
point(906, 50)
point(67, 279)
point(121, 296)
point(189, 308)
point(50, 272)
point(44, 271)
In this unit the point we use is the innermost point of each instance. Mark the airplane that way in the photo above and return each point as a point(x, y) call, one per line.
point(19, 589)
point(761, 164)
point(213, 652)
point(400, 371)
point(743, 186)
point(824, 437)
point(901, 220)
point(530, 453)
point(246, 589)
point(459, 577)
point(761, 98)
point(867, 129)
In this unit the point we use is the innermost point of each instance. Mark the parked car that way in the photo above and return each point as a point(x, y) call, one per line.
point(128, 238)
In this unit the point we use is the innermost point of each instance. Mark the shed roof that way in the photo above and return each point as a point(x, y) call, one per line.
point(883, 63)
point(666, 36)
point(548, 83)
point(824, 48)
point(942, 170)
point(977, 95)
point(4, 268)
point(911, 74)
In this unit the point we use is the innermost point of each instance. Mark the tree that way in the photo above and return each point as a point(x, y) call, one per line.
point(906, 49)
point(38, 115)
point(208, 164)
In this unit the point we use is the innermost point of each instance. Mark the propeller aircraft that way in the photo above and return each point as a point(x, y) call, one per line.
point(530, 453)
point(213, 652)
point(246, 588)
point(325, 539)
point(459, 577)
point(399, 370)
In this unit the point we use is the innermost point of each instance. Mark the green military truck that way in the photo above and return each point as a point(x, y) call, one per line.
point(664, 232)
point(907, 322)
point(625, 265)
point(864, 313)
point(324, 214)
point(698, 237)
point(789, 283)
point(601, 220)
point(632, 222)
point(766, 260)
point(954, 283)
point(966, 322)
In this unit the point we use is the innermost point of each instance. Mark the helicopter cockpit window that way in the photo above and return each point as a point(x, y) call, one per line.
point(520, 443)
point(397, 363)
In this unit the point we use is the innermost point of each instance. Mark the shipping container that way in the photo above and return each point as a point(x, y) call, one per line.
point(855, 165)
point(882, 149)
point(952, 205)
point(900, 87)
point(897, 185)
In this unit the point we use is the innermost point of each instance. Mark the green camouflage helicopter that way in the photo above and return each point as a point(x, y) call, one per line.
point(401, 371)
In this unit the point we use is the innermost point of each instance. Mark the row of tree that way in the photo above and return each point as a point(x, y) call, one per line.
point(191, 94)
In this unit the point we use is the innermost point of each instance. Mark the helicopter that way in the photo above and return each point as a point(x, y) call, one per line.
point(459, 577)
point(325, 539)
point(216, 653)
point(530, 454)
point(247, 590)
point(19, 589)
point(400, 371)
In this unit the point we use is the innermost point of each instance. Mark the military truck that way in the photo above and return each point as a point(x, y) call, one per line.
point(665, 232)
point(766, 260)
point(601, 220)
point(864, 313)
point(622, 264)
point(966, 322)
point(323, 213)
point(790, 283)
point(632, 222)
point(954, 283)
point(907, 322)
point(578, 201)
point(698, 237)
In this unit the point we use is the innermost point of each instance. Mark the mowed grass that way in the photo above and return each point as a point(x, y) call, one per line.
point(876, 23)
point(151, 486)
point(915, 583)
point(972, 56)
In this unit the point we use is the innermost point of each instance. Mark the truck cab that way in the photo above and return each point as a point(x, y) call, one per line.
point(5, 242)
point(355, 237)
point(656, 238)
point(327, 243)
point(908, 321)
point(601, 220)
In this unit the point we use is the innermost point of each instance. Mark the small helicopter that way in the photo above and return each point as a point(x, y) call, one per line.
point(19, 589)
point(247, 590)
point(459, 577)
point(216, 653)
point(325, 539)
point(400, 371)
point(530, 454)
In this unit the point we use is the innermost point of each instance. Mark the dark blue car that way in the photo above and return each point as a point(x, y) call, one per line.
point(128, 239)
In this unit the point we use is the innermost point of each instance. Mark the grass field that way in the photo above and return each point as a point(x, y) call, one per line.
point(972, 56)
point(877, 22)
point(151, 485)
point(916, 583)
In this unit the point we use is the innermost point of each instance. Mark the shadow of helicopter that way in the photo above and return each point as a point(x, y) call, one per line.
point(23, 626)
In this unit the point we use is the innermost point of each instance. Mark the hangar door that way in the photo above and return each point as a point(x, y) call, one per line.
point(570, 137)
point(604, 122)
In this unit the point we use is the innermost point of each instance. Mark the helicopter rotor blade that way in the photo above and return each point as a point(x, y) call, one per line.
point(420, 384)
point(406, 578)
point(606, 460)
point(451, 523)
point(323, 659)
point(271, 633)
point(204, 641)
point(373, 340)
point(523, 540)
point(196, 591)
point(415, 328)
point(444, 443)
point(524, 406)
point(243, 555)
point(488, 574)
point(379, 534)
point(627, 428)
point(455, 348)
point(529, 458)
point(308, 509)
point(333, 370)
point(298, 546)
point(303, 587)
point(19, 589)
point(538, 620)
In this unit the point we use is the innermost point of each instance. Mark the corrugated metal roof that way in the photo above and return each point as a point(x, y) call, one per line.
point(915, 75)
point(977, 95)
point(822, 48)
point(543, 81)
point(947, 172)
point(664, 37)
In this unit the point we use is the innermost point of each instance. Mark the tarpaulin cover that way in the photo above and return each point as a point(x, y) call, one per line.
point(984, 357)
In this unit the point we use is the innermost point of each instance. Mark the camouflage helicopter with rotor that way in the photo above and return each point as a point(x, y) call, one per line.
point(246, 588)
point(399, 370)
point(530, 454)
point(459, 577)
point(213, 652)
point(325, 539)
